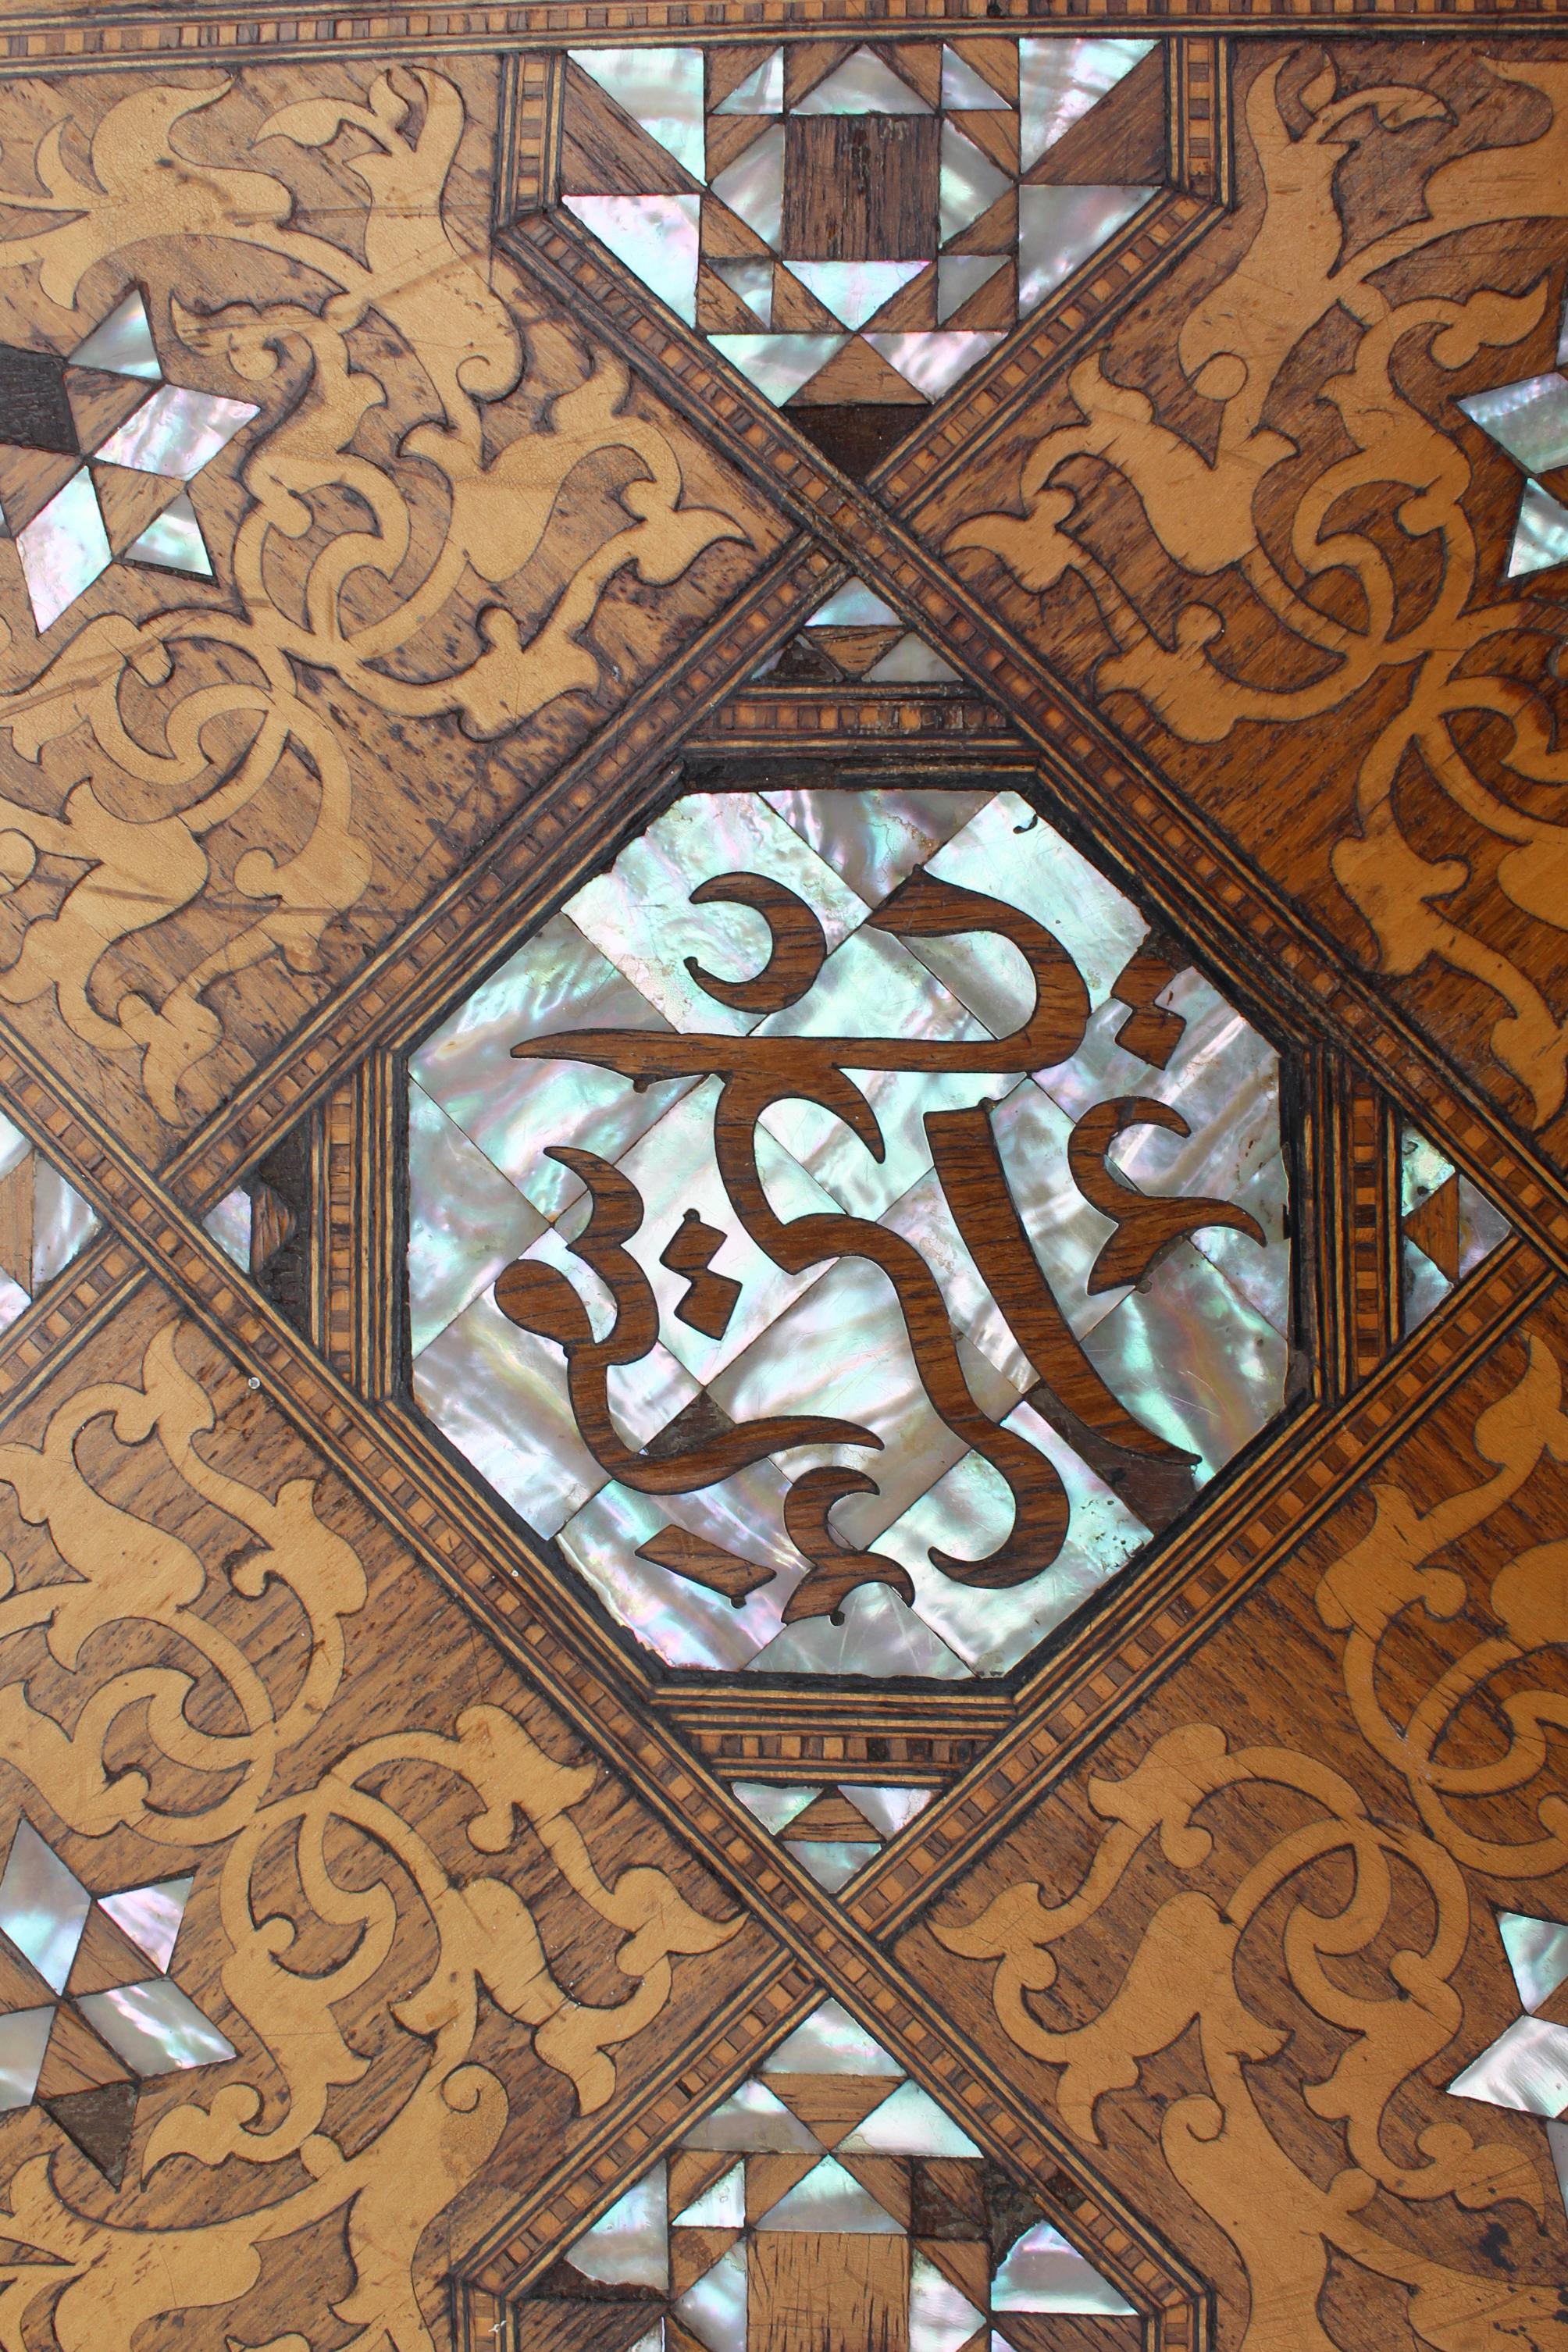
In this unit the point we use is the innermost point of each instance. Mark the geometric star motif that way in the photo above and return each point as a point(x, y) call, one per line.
point(84, 2020)
point(1529, 420)
point(1526, 2068)
point(147, 441)
point(861, 232)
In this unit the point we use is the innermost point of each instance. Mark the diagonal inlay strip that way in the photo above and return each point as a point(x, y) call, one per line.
point(442, 1524)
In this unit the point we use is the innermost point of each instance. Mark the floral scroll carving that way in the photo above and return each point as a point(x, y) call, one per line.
point(1285, 1869)
point(1274, 576)
point(404, 532)
point(223, 1725)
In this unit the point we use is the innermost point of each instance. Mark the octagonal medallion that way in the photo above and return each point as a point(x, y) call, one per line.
point(848, 1232)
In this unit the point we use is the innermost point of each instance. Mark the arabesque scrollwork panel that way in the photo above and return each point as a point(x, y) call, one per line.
point(1257, 507)
point(1254, 1957)
point(446, 537)
point(436, 1934)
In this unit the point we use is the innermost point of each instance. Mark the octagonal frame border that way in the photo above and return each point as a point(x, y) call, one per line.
point(1342, 1167)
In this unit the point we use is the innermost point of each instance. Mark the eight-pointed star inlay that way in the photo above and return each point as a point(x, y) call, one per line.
point(97, 455)
point(1529, 420)
point(88, 2011)
point(1526, 2067)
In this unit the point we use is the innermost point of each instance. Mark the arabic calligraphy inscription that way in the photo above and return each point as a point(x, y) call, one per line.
point(848, 1231)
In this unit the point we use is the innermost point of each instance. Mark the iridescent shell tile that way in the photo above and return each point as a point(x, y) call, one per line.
point(466, 1220)
point(516, 1111)
point(1187, 1355)
point(875, 839)
point(640, 916)
point(843, 1349)
point(682, 1623)
point(628, 2246)
point(498, 1394)
point(968, 1512)
point(1009, 852)
point(879, 1637)
point(673, 1170)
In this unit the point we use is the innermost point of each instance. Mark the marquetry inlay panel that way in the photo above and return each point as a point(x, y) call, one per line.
point(436, 450)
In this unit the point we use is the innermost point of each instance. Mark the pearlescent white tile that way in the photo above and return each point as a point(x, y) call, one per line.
point(855, 291)
point(151, 1916)
point(879, 1637)
point(656, 236)
point(555, 985)
point(861, 85)
point(923, 1216)
point(122, 345)
point(1192, 1361)
point(1529, 419)
point(640, 916)
point(465, 1220)
point(761, 92)
point(63, 1222)
point(751, 2118)
point(229, 1223)
point(872, 986)
point(843, 1349)
point(176, 432)
point(1423, 1171)
point(1059, 228)
point(722, 2207)
point(14, 1301)
point(752, 185)
point(14, 1146)
point(1423, 1286)
point(154, 2028)
point(964, 91)
point(875, 839)
point(1009, 852)
point(1537, 1953)
point(661, 90)
point(643, 1395)
point(831, 2042)
point(774, 1806)
point(1525, 2068)
point(674, 1169)
point(680, 1622)
point(933, 358)
point(1041, 2271)
point(1059, 80)
point(829, 2198)
point(172, 541)
point(941, 2318)
point(498, 1394)
point(1260, 1275)
point(629, 2245)
point(43, 1905)
point(969, 182)
point(909, 2123)
point(1540, 535)
point(889, 1810)
point(911, 662)
point(960, 275)
point(754, 282)
point(832, 1861)
point(853, 606)
point(778, 364)
point(1066, 1232)
point(24, 2038)
point(1482, 1226)
point(714, 2310)
point(63, 550)
point(969, 1512)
